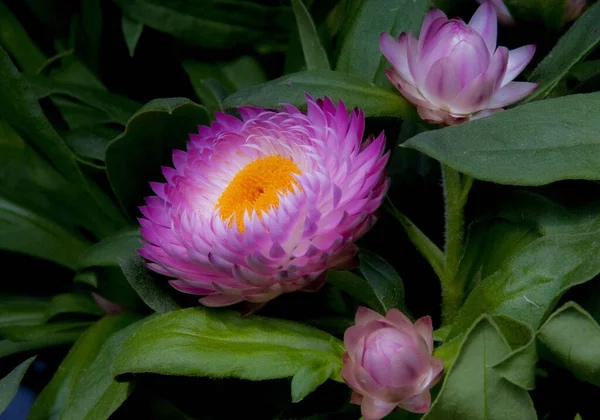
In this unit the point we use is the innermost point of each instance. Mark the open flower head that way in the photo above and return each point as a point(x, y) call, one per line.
point(455, 72)
point(388, 363)
point(265, 205)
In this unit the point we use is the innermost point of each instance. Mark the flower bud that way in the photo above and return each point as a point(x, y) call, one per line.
point(388, 363)
point(454, 72)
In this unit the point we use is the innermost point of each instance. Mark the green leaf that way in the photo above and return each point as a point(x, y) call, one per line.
point(85, 356)
point(107, 252)
point(24, 231)
point(473, 390)
point(527, 285)
point(355, 286)
point(17, 42)
point(22, 310)
point(38, 337)
point(135, 158)
point(96, 395)
point(575, 45)
point(534, 144)
point(354, 90)
point(90, 142)
point(214, 24)
point(19, 107)
point(548, 12)
point(9, 385)
point(151, 288)
point(571, 338)
point(117, 108)
point(426, 247)
point(308, 378)
point(219, 344)
point(314, 53)
point(72, 303)
point(384, 280)
point(360, 52)
point(132, 31)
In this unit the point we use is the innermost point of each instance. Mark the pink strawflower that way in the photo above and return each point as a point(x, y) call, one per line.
point(454, 72)
point(265, 205)
point(388, 363)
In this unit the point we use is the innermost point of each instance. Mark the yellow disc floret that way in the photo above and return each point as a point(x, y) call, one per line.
point(257, 187)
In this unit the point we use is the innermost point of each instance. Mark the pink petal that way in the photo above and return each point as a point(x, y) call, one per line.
point(356, 398)
point(497, 67)
point(431, 24)
point(470, 59)
point(218, 300)
point(374, 409)
point(484, 21)
point(397, 54)
point(437, 367)
point(475, 97)
point(442, 83)
point(366, 315)
point(517, 61)
point(511, 93)
point(399, 320)
point(418, 404)
point(425, 329)
point(407, 90)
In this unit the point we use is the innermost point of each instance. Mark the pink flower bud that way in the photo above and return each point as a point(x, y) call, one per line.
point(388, 363)
point(454, 72)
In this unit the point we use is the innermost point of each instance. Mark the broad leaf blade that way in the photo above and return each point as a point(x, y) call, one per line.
point(534, 144)
point(109, 250)
point(354, 90)
point(472, 390)
point(571, 337)
point(220, 344)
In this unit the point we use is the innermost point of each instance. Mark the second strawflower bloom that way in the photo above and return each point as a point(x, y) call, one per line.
point(454, 72)
point(265, 205)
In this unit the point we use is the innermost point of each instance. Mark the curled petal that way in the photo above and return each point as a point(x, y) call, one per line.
point(517, 61)
point(374, 409)
point(484, 21)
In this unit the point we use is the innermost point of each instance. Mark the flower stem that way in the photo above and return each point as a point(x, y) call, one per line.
point(456, 191)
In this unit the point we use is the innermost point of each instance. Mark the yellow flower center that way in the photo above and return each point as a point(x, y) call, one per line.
point(257, 187)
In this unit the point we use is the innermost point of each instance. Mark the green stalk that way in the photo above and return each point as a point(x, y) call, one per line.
point(456, 191)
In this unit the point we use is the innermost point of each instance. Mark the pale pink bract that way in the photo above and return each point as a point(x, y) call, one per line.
point(388, 363)
point(454, 72)
point(312, 229)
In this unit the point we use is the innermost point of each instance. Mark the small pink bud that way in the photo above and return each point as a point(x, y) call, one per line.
point(108, 306)
point(455, 72)
point(388, 363)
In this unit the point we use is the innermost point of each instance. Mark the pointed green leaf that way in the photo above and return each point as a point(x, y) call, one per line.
point(384, 280)
point(20, 339)
point(154, 290)
point(314, 53)
point(107, 252)
point(9, 385)
point(307, 379)
point(132, 31)
point(575, 45)
point(355, 286)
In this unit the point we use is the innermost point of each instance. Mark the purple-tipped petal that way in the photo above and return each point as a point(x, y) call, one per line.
point(425, 329)
point(476, 96)
point(517, 61)
point(497, 68)
point(504, 16)
point(484, 21)
point(397, 54)
point(511, 93)
point(470, 60)
point(366, 315)
point(431, 24)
